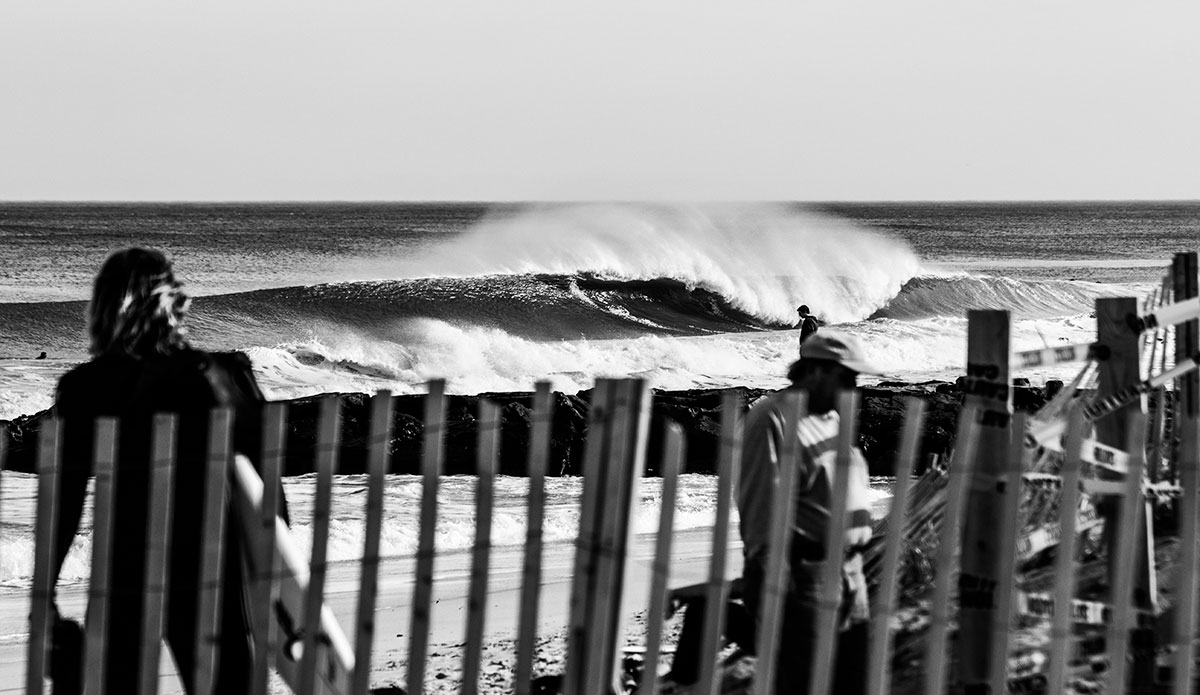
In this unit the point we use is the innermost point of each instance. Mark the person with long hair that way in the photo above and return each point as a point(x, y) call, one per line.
point(141, 365)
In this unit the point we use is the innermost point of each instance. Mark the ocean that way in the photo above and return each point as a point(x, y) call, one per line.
point(357, 297)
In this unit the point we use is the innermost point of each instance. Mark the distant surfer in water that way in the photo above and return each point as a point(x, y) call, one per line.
point(807, 323)
point(141, 365)
point(41, 356)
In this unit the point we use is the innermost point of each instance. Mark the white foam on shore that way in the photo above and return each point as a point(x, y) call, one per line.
point(477, 360)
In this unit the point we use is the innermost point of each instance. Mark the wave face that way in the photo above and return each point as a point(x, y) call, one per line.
point(763, 259)
point(928, 296)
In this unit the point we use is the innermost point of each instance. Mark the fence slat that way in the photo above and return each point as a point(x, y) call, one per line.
point(46, 523)
point(830, 599)
point(378, 458)
point(717, 592)
point(1064, 562)
point(587, 546)
point(1157, 340)
point(266, 588)
point(961, 465)
point(99, 585)
point(3, 459)
point(1187, 425)
point(431, 468)
point(539, 454)
point(1007, 555)
point(208, 616)
point(623, 471)
point(158, 550)
point(774, 590)
point(988, 386)
point(1130, 525)
point(485, 472)
point(328, 442)
point(879, 672)
point(673, 453)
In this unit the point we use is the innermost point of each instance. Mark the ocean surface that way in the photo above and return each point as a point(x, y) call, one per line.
point(359, 297)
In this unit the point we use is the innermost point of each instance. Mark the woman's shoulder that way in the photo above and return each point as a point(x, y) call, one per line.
point(96, 370)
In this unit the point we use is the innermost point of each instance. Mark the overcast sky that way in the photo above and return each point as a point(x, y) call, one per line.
point(510, 100)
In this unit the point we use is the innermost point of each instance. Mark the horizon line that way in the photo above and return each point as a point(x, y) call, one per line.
point(582, 201)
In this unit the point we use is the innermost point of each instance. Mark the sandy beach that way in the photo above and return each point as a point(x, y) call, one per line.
point(691, 553)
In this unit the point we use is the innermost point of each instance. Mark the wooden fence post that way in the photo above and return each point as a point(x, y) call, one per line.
point(485, 472)
point(1122, 368)
point(266, 586)
point(1129, 528)
point(3, 458)
point(966, 448)
point(1187, 424)
point(623, 473)
point(431, 469)
point(879, 672)
point(716, 593)
point(775, 581)
point(208, 611)
point(1006, 554)
point(674, 447)
point(103, 512)
point(587, 545)
point(830, 599)
point(378, 460)
point(988, 387)
point(328, 442)
point(158, 550)
point(1064, 562)
point(46, 532)
point(539, 454)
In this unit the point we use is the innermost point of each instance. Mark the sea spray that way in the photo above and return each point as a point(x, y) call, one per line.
point(765, 258)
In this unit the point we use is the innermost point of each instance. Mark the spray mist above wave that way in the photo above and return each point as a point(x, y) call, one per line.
point(765, 259)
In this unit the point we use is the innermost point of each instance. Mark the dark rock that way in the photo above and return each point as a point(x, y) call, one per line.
point(697, 411)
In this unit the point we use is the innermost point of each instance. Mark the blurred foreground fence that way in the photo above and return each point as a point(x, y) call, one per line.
point(990, 546)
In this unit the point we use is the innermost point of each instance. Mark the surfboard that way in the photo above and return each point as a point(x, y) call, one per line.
point(335, 657)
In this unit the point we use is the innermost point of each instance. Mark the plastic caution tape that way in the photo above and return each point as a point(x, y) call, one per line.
point(1063, 354)
point(1041, 605)
point(1109, 404)
point(1104, 456)
point(1167, 315)
point(1048, 435)
point(1042, 481)
point(1035, 541)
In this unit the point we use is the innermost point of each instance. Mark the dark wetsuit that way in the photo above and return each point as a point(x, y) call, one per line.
point(808, 326)
point(188, 383)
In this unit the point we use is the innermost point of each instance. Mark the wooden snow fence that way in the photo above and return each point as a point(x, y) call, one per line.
point(976, 502)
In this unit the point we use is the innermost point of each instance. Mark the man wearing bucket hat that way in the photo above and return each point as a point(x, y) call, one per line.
point(830, 362)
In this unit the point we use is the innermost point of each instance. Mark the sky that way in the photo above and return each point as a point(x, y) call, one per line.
point(620, 100)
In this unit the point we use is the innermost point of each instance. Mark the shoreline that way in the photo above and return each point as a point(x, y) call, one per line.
point(697, 411)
